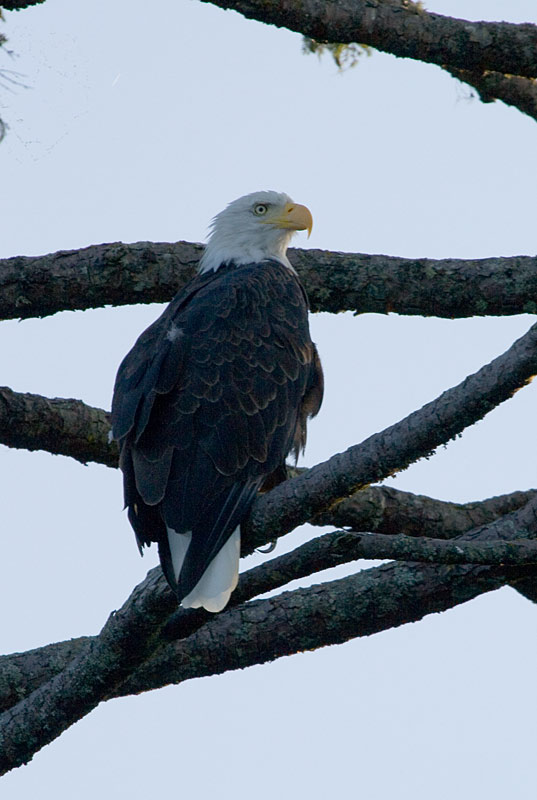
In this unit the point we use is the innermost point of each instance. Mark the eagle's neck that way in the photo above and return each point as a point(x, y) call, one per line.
point(245, 248)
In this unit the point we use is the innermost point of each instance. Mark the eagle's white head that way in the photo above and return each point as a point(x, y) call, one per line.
point(253, 228)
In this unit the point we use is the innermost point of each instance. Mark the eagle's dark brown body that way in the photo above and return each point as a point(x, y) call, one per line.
point(208, 404)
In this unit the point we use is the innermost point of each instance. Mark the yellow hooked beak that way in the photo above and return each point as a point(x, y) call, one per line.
point(293, 216)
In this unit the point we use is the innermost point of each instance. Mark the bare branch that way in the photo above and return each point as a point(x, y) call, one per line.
point(23, 673)
point(121, 274)
point(384, 510)
point(59, 426)
point(330, 613)
point(407, 32)
point(378, 508)
point(95, 276)
point(342, 546)
point(125, 642)
point(512, 90)
point(385, 453)
point(326, 614)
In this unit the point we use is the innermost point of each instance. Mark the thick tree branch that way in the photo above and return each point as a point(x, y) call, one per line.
point(297, 501)
point(327, 614)
point(385, 453)
point(405, 32)
point(377, 508)
point(71, 428)
point(57, 425)
point(512, 90)
point(121, 274)
point(127, 639)
point(382, 509)
point(23, 673)
point(342, 546)
point(116, 274)
point(403, 29)
point(130, 636)
point(330, 613)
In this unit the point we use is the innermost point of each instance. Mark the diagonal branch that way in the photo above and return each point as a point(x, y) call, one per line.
point(330, 613)
point(401, 28)
point(407, 32)
point(378, 508)
point(146, 272)
point(512, 90)
point(385, 510)
point(104, 662)
point(342, 546)
point(245, 634)
point(295, 502)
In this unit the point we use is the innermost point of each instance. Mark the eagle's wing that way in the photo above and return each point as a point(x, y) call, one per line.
point(208, 404)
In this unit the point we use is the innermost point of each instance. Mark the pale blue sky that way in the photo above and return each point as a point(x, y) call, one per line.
point(141, 123)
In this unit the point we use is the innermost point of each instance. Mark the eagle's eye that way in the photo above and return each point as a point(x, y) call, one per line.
point(260, 209)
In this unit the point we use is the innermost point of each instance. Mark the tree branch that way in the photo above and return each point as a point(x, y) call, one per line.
point(127, 639)
point(377, 508)
point(402, 31)
point(59, 426)
point(146, 272)
point(116, 274)
point(342, 546)
point(385, 453)
point(384, 510)
point(250, 633)
point(521, 93)
point(297, 501)
point(330, 613)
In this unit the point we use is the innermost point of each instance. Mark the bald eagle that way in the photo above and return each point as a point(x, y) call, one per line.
point(215, 394)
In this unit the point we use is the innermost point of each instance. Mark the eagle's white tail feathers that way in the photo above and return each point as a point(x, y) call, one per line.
point(179, 544)
point(214, 588)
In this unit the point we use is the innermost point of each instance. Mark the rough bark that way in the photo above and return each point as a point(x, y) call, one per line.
point(521, 93)
point(404, 32)
point(385, 453)
point(57, 425)
point(106, 274)
point(126, 640)
point(146, 272)
point(112, 664)
point(382, 509)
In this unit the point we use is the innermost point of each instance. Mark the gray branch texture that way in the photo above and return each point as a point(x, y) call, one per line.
point(442, 554)
point(146, 272)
